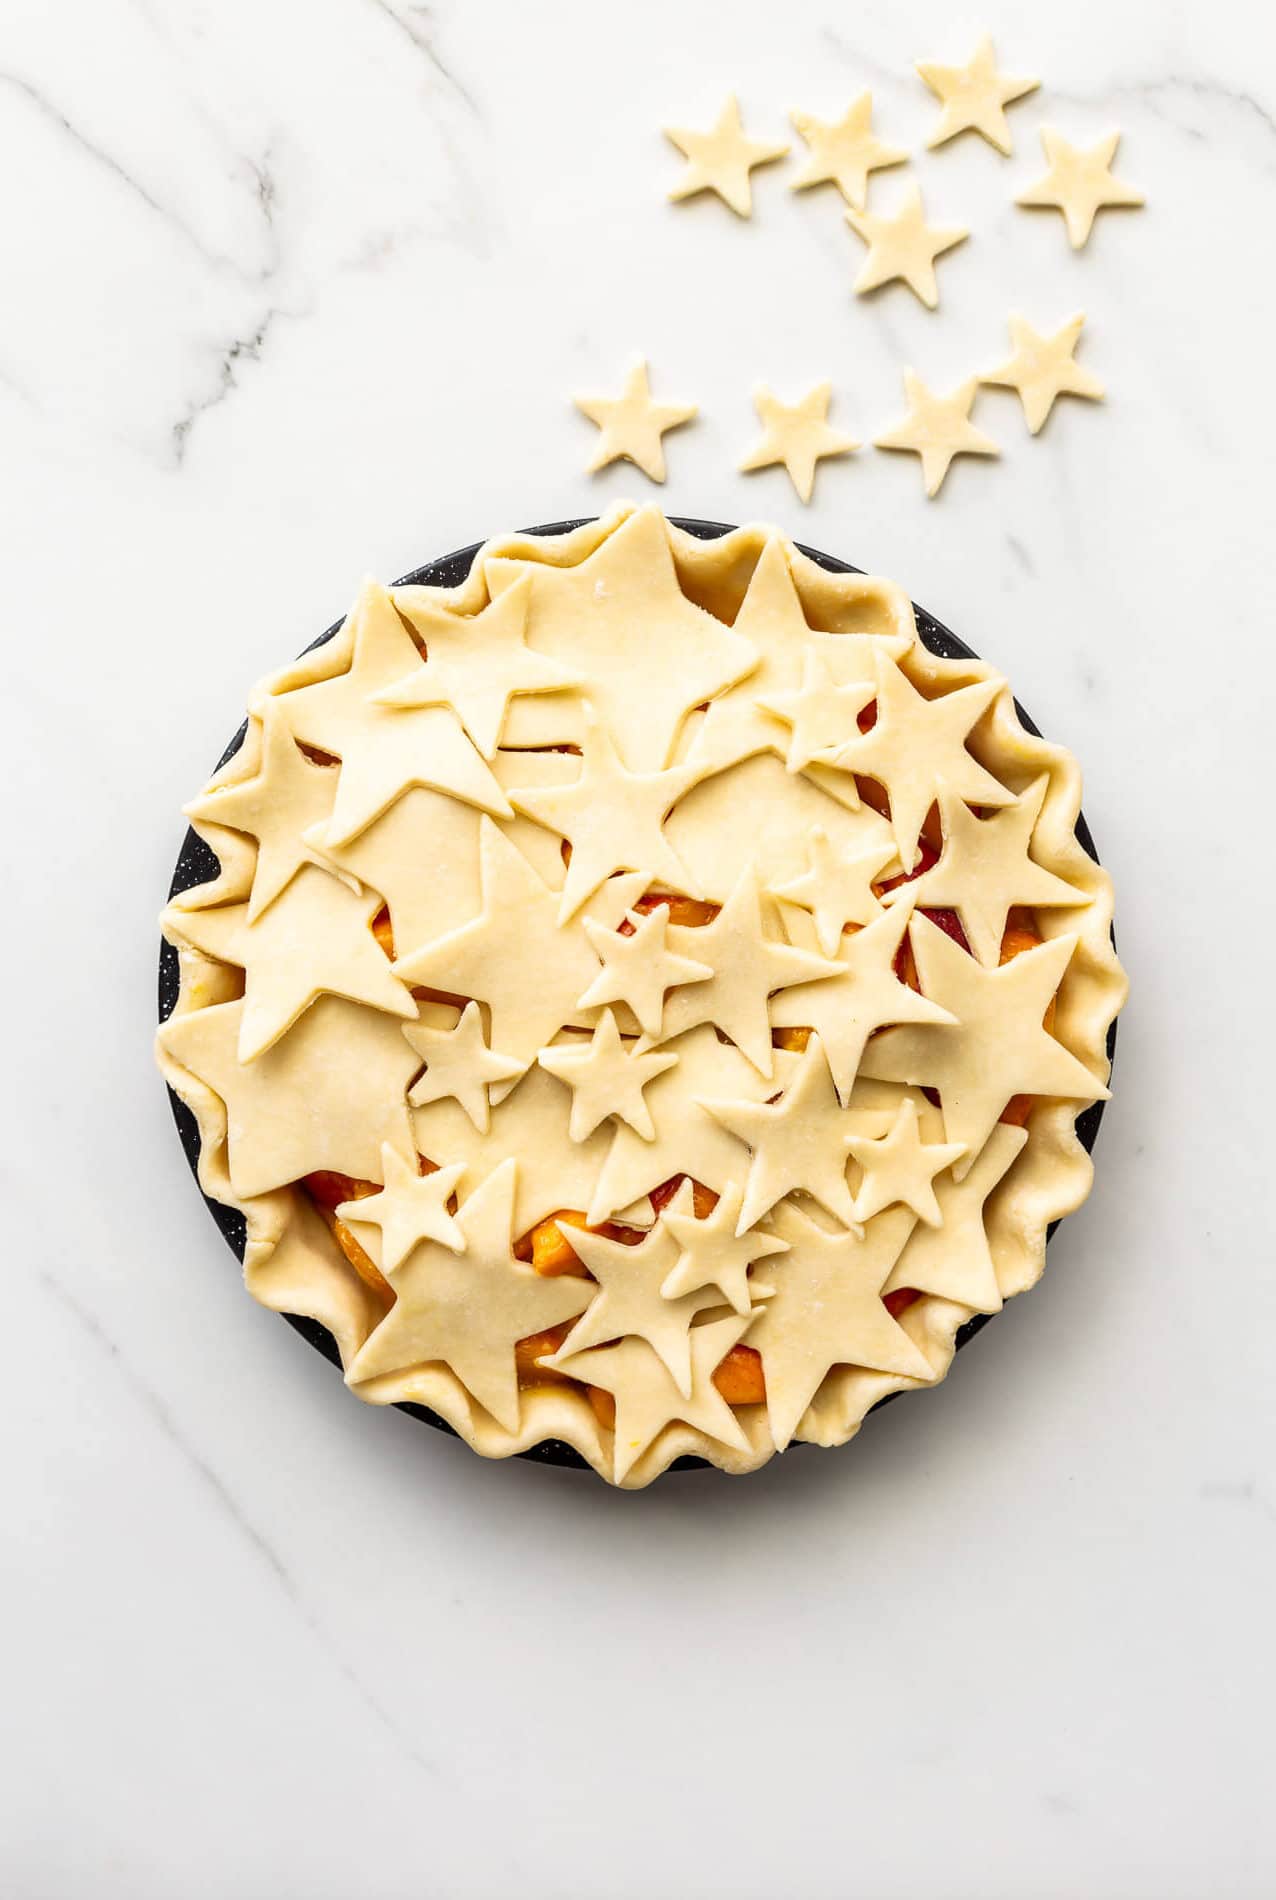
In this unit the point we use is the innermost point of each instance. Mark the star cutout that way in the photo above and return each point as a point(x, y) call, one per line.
point(844, 152)
point(612, 818)
point(838, 887)
point(937, 428)
point(712, 1254)
point(746, 967)
point(917, 746)
point(984, 870)
point(420, 856)
point(411, 1207)
point(900, 1167)
point(606, 1079)
point(903, 247)
point(1042, 369)
point(1079, 183)
point(973, 97)
point(721, 159)
point(952, 1259)
point(995, 1048)
point(286, 795)
point(632, 425)
point(845, 1009)
point(639, 968)
point(459, 1064)
point(827, 1311)
point(474, 663)
point(799, 436)
point(469, 1310)
point(820, 714)
point(647, 1397)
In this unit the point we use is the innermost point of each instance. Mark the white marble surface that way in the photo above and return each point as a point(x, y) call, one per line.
point(294, 292)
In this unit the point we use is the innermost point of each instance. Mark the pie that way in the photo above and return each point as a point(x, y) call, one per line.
point(645, 998)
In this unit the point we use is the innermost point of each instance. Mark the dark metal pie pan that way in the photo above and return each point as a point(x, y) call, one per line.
point(197, 864)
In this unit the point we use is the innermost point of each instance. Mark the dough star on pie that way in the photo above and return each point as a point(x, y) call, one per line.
point(646, 997)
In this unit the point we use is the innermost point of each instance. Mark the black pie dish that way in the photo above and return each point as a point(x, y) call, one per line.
point(198, 864)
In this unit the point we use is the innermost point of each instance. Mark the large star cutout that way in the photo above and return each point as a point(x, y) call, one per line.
point(798, 435)
point(1042, 369)
point(469, 1310)
point(973, 97)
point(721, 159)
point(1079, 183)
point(632, 426)
point(984, 870)
point(606, 1079)
point(903, 247)
point(746, 967)
point(952, 1259)
point(844, 1010)
point(712, 1254)
point(844, 151)
point(639, 969)
point(838, 887)
point(612, 818)
point(900, 1167)
point(916, 746)
point(995, 1048)
point(459, 1064)
point(937, 428)
point(820, 714)
point(827, 1311)
point(411, 1207)
point(647, 1396)
point(474, 663)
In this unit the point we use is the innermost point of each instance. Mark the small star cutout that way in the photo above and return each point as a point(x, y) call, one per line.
point(640, 968)
point(1042, 368)
point(632, 425)
point(900, 1167)
point(953, 1259)
point(411, 1207)
point(458, 1063)
point(606, 1079)
point(845, 152)
point(714, 1254)
point(904, 247)
point(838, 887)
point(820, 714)
point(1079, 183)
point(937, 428)
point(721, 159)
point(973, 96)
point(799, 436)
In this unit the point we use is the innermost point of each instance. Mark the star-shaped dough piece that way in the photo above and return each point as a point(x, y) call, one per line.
point(973, 97)
point(383, 750)
point(713, 1254)
point(844, 152)
point(985, 869)
point(903, 247)
point(827, 1311)
point(459, 1064)
point(952, 1259)
point(937, 428)
point(470, 1309)
point(838, 887)
point(612, 818)
point(797, 435)
point(606, 1079)
point(995, 1048)
point(820, 714)
point(647, 1396)
point(1042, 369)
point(899, 1167)
point(1079, 183)
point(721, 159)
point(474, 663)
point(639, 968)
point(632, 425)
point(746, 967)
point(287, 794)
point(294, 1110)
point(917, 746)
point(411, 1207)
point(865, 994)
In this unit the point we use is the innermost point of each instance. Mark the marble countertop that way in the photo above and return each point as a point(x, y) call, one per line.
point(296, 293)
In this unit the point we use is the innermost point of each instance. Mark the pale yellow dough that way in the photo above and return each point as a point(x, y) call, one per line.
point(797, 435)
point(937, 428)
point(633, 426)
point(1079, 183)
point(903, 247)
point(1043, 368)
point(721, 159)
point(845, 151)
point(974, 97)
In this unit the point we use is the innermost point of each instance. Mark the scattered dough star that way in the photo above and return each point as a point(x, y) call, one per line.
point(904, 246)
point(937, 428)
point(845, 152)
point(799, 436)
point(632, 425)
point(1042, 368)
point(1079, 183)
point(973, 97)
point(721, 159)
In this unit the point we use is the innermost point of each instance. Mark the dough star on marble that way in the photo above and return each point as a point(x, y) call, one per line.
point(844, 151)
point(838, 887)
point(900, 1167)
point(633, 425)
point(903, 246)
point(798, 435)
point(1079, 183)
point(973, 97)
point(1042, 369)
point(459, 1064)
point(713, 1253)
point(607, 1079)
point(640, 968)
point(937, 428)
point(721, 159)
point(410, 1207)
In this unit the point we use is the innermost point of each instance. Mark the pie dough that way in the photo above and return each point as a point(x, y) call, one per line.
point(721, 159)
point(661, 1034)
point(973, 97)
point(844, 152)
point(937, 428)
point(798, 435)
point(632, 426)
point(1042, 369)
point(1079, 183)
point(903, 247)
